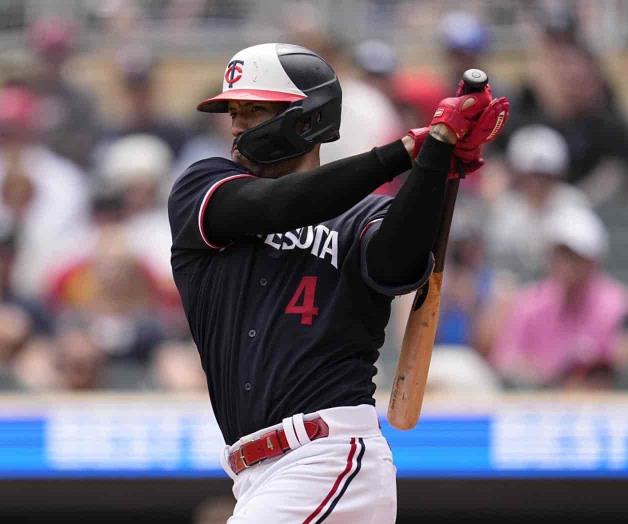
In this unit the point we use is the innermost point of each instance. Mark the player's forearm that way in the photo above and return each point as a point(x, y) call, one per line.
point(398, 252)
point(259, 205)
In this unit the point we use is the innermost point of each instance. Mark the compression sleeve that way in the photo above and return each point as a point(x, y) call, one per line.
point(400, 249)
point(264, 205)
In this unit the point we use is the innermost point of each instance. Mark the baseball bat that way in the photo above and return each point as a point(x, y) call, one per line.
point(406, 397)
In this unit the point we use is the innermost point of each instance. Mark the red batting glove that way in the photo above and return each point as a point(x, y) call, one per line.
point(486, 129)
point(458, 113)
point(468, 166)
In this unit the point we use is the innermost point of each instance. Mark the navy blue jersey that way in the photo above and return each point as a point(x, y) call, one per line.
point(284, 323)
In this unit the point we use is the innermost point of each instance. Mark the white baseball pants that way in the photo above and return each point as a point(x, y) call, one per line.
point(347, 477)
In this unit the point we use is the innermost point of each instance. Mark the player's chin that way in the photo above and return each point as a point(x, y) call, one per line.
point(239, 158)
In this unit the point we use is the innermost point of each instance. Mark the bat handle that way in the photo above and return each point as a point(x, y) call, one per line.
point(473, 80)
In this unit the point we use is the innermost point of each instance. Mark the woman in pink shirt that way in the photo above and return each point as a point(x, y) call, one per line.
point(562, 330)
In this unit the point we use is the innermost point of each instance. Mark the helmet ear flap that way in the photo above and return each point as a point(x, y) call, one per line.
point(304, 125)
point(276, 139)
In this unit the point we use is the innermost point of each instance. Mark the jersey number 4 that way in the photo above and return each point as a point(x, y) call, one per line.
point(302, 302)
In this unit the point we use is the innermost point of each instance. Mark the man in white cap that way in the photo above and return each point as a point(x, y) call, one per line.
point(134, 169)
point(537, 157)
point(562, 330)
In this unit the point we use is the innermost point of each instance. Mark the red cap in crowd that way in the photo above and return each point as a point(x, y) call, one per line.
point(18, 108)
point(419, 91)
point(51, 37)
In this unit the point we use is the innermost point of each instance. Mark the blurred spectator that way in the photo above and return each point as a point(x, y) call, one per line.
point(416, 96)
point(40, 320)
point(622, 355)
point(43, 196)
point(459, 369)
point(559, 22)
point(137, 68)
point(472, 290)
point(306, 24)
point(110, 291)
point(68, 115)
point(377, 62)
point(80, 362)
point(15, 330)
point(25, 357)
point(176, 367)
point(34, 366)
point(568, 90)
point(538, 159)
point(210, 137)
point(563, 329)
point(120, 19)
point(465, 39)
point(135, 171)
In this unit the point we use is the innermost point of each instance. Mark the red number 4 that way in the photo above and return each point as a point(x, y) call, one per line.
point(306, 292)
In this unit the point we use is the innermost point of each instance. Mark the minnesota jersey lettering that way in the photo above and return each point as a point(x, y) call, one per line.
point(319, 240)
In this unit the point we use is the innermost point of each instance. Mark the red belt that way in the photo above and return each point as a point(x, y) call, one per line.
point(272, 444)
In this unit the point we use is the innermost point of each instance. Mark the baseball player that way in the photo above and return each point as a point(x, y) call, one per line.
point(287, 269)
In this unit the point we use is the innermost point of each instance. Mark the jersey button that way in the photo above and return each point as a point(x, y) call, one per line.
point(263, 282)
point(252, 333)
point(247, 386)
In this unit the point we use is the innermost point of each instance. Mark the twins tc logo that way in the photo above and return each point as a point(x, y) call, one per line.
point(233, 72)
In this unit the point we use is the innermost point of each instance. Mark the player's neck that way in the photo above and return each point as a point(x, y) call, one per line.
point(310, 160)
point(306, 162)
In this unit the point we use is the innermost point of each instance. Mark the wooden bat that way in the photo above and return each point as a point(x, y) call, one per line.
point(406, 397)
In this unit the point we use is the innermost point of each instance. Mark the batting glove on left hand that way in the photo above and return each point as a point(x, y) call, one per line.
point(486, 129)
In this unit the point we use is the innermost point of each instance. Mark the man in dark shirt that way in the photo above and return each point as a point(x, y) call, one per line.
point(286, 271)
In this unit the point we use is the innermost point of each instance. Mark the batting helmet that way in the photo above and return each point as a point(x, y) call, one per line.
point(282, 73)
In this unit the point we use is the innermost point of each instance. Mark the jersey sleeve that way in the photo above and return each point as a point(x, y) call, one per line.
point(369, 226)
point(190, 196)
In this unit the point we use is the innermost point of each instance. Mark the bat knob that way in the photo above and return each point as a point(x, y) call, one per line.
point(474, 80)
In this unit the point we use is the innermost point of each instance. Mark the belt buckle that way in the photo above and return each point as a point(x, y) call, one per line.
point(240, 451)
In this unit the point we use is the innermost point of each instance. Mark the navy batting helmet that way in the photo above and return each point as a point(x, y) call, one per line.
point(282, 73)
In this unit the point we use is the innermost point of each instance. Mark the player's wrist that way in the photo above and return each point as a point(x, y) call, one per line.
point(435, 155)
point(393, 158)
point(409, 143)
point(443, 133)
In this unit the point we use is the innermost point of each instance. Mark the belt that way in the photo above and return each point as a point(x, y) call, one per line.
point(272, 444)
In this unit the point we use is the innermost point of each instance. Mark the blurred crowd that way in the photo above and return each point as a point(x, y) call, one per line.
point(533, 298)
